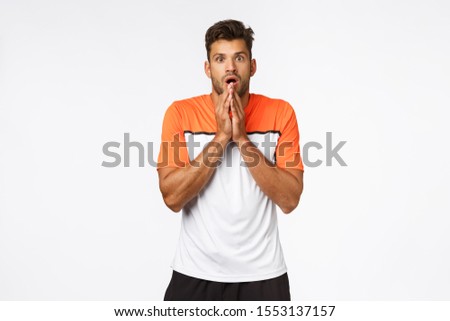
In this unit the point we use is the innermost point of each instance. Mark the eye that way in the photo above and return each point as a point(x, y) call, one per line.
point(240, 58)
point(220, 59)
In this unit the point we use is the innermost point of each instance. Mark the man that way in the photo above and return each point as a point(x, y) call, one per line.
point(227, 159)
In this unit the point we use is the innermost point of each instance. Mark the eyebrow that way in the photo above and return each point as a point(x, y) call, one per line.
point(235, 54)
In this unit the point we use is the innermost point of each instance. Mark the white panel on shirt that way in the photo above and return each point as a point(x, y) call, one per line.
point(229, 232)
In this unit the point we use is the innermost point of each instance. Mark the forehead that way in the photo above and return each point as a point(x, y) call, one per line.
point(228, 47)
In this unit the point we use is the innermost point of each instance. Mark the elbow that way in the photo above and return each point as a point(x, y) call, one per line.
point(172, 203)
point(288, 208)
point(291, 204)
point(172, 206)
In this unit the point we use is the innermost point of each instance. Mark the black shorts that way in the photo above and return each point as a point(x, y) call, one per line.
point(186, 288)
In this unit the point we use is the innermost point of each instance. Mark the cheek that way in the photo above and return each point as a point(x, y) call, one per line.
point(245, 71)
point(214, 72)
point(218, 76)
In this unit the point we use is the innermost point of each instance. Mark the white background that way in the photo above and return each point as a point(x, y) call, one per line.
point(77, 74)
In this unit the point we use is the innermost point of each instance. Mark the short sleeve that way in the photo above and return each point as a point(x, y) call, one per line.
point(288, 147)
point(173, 151)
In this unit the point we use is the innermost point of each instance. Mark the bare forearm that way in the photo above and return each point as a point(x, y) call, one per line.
point(183, 184)
point(281, 186)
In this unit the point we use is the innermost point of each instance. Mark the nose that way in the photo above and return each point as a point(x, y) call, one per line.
point(230, 66)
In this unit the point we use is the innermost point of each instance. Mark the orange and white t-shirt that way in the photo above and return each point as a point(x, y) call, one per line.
point(229, 231)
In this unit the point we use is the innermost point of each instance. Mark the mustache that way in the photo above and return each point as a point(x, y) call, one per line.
point(231, 74)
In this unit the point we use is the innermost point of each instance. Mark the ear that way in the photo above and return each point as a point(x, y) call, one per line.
point(252, 67)
point(207, 69)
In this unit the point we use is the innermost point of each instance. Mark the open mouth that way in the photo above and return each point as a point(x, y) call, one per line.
point(231, 80)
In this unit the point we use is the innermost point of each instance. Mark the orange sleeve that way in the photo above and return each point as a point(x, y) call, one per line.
point(288, 147)
point(173, 151)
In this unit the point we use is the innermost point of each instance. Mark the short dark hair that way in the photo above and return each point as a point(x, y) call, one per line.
point(228, 30)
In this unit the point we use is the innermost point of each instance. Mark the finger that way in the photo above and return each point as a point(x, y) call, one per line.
point(233, 114)
point(223, 103)
point(223, 97)
point(227, 104)
point(230, 89)
point(236, 112)
point(238, 107)
point(230, 96)
point(238, 100)
point(233, 108)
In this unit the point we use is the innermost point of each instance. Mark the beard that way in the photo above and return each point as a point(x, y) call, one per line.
point(218, 87)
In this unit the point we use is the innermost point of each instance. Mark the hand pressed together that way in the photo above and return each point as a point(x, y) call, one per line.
point(230, 116)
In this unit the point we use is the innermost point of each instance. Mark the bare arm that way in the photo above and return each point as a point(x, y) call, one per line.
point(179, 185)
point(282, 186)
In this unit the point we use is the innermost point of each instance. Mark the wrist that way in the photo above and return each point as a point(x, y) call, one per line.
point(244, 142)
point(222, 139)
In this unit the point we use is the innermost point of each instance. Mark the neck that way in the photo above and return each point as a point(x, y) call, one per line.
point(244, 99)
